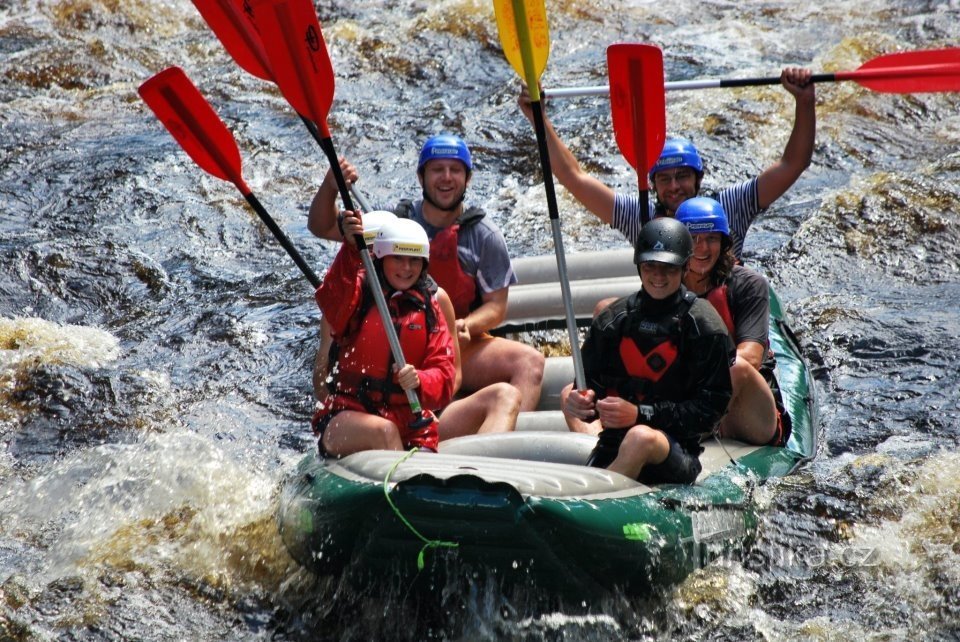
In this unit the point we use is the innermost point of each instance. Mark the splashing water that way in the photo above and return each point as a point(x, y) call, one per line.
point(156, 344)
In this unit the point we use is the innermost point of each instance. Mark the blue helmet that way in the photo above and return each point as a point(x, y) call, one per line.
point(678, 152)
point(703, 215)
point(445, 146)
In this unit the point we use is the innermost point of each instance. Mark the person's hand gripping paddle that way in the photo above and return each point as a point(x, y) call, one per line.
point(298, 58)
point(525, 37)
point(639, 110)
point(194, 124)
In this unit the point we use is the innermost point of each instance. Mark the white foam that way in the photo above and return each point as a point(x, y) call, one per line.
point(26, 340)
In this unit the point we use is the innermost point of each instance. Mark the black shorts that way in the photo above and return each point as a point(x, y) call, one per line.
point(680, 466)
point(320, 426)
point(784, 423)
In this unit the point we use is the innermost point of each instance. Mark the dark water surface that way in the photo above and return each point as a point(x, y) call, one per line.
point(155, 342)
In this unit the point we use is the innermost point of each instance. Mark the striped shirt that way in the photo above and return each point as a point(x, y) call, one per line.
point(741, 202)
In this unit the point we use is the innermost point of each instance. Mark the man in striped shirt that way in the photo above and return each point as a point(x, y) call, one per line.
point(678, 173)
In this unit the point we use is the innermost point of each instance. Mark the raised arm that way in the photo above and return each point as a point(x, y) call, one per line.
point(777, 179)
point(593, 194)
point(322, 218)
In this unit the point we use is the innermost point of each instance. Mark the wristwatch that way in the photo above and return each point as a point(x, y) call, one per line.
point(644, 412)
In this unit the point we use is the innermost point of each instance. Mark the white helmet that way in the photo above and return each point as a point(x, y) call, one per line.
point(373, 221)
point(402, 237)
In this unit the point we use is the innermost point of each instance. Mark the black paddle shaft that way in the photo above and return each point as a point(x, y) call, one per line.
point(317, 136)
point(771, 80)
point(282, 238)
point(331, 153)
point(541, 132)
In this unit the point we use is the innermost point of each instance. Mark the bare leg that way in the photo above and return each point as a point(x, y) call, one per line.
point(489, 410)
point(752, 413)
point(488, 360)
point(642, 445)
point(352, 431)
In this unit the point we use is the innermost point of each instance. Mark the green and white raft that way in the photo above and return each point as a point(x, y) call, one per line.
point(523, 504)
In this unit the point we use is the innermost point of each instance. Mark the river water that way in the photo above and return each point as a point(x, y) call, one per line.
point(156, 344)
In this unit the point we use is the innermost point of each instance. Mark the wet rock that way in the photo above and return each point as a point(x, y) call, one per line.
point(14, 592)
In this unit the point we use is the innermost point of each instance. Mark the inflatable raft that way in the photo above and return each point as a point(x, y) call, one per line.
point(523, 504)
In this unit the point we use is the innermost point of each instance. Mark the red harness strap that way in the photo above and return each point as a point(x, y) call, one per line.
point(721, 303)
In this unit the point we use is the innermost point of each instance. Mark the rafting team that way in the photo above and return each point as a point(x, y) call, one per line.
point(685, 355)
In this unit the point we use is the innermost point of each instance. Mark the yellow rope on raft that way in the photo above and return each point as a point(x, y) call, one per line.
point(427, 543)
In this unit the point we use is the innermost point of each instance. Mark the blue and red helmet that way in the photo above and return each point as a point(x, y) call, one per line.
point(678, 152)
point(445, 146)
point(703, 215)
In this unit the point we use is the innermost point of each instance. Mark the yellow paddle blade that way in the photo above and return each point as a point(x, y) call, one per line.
point(525, 38)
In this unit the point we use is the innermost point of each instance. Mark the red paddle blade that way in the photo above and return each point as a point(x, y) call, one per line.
point(191, 120)
point(298, 56)
point(232, 22)
point(638, 103)
point(909, 72)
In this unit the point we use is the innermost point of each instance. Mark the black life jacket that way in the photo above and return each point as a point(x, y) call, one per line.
point(650, 348)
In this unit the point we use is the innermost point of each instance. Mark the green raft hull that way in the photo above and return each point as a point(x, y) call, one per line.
point(523, 506)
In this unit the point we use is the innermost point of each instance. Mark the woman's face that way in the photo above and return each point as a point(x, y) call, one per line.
point(401, 271)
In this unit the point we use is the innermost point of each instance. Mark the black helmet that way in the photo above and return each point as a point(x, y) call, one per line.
point(664, 240)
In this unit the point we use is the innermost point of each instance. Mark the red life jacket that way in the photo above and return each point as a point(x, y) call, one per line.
point(446, 271)
point(445, 265)
point(363, 367)
point(721, 303)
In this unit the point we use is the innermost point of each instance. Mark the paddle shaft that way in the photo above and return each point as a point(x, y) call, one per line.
point(384, 311)
point(934, 70)
point(639, 132)
point(280, 236)
point(317, 136)
point(232, 173)
point(541, 131)
point(680, 85)
point(533, 43)
point(241, 40)
point(372, 281)
point(301, 67)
